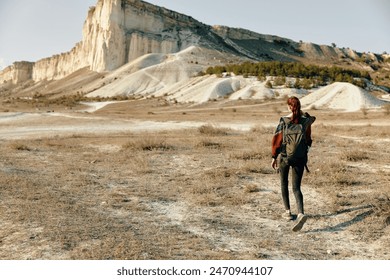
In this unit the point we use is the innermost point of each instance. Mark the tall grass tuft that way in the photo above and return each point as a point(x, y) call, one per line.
point(211, 130)
point(19, 146)
point(355, 155)
point(149, 143)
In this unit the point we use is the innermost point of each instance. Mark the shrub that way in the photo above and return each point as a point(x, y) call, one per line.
point(207, 143)
point(355, 155)
point(20, 147)
point(212, 130)
point(148, 143)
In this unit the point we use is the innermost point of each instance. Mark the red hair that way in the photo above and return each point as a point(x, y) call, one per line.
point(295, 106)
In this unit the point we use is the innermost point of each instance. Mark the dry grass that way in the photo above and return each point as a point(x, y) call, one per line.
point(212, 130)
point(148, 143)
point(202, 193)
point(19, 146)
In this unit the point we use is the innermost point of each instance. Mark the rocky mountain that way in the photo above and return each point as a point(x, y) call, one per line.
point(117, 33)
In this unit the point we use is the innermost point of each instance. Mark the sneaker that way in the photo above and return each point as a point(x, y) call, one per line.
point(287, 215)
point(301, 220)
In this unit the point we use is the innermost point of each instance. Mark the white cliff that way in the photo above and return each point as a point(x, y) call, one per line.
point(115, 33)
point(17, 72)
point(102, 47)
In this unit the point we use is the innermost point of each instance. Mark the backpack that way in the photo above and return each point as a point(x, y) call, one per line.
point(294, 143)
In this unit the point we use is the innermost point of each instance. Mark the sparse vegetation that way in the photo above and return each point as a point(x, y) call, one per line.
point(212, 130)
point(20, 146)
point(355, 155)
point(148, 143)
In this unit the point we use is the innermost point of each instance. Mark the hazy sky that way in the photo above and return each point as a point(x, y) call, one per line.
point(35, 29)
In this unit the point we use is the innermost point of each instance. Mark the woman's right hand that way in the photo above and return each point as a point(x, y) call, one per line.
point(274, 163)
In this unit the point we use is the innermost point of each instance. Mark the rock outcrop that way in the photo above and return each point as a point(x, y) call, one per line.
point(17, 72)
point(116, 32)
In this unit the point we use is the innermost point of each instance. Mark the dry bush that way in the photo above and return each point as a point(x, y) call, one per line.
point(251, 188)
point(355, 155)
point(209, 143)
point(212, 130)
point(139, 164)
point(54, 143)
point(220, 173)
point(382, 209)
point(344, 178)
point(219, 186)
point(254, 145)
point(20, 146)
point(148, 143)
point(115, 247)
point(262, 130)
point(250, 155)
point(255, 166)
point(332, 172)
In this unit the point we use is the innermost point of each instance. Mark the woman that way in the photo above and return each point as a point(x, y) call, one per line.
point(282, 146)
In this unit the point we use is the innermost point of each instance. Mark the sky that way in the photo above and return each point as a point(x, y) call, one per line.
point(34, 29)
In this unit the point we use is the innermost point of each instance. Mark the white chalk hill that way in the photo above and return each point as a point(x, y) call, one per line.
point(158, 75)
point(341, 96)
point(175, 76)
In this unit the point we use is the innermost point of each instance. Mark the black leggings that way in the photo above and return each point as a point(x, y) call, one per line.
point(297, 168)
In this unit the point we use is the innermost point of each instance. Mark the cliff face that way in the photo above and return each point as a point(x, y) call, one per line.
point(102, 47)
point(116, 32)
point(17, 72)
point(151, 29)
